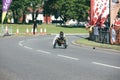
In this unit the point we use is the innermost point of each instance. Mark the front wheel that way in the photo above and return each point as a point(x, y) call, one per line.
point(54, 46)
point(65, 45)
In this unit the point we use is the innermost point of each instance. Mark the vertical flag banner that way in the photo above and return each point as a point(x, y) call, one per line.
point(99, 10)
point(92, 2)
point(5, 7)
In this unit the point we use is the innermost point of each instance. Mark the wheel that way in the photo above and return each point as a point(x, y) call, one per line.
point(65, 45)
point(54, 46)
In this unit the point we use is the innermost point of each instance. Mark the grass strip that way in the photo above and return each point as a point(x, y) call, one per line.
point(50, 28)
point(84, 41)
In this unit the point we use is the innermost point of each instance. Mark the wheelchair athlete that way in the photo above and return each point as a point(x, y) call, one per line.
point(60, 40)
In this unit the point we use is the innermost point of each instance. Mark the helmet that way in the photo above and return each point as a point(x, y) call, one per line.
point(61, 34)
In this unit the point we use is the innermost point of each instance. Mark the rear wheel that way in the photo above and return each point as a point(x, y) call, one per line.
point(54, 46)
point(65, 45)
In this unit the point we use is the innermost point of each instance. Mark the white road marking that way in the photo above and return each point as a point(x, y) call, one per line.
point(20, 43)
point(106, 65)
point(43, 51)
point(68, 57)
point(27, 47)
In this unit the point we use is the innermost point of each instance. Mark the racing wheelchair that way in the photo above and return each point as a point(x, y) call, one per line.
point(60, 41)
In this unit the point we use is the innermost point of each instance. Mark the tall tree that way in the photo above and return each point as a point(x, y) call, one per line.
point(68, 9)
point(20, 10)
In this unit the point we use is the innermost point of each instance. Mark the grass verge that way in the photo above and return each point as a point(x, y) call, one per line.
point(50, 28)
point(87, 42)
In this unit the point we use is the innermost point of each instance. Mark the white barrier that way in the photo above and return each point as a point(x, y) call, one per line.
point(43, 31)
point(17, 31)
point(27, 31)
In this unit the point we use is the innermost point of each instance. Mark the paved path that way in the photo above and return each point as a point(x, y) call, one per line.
point(33, 58)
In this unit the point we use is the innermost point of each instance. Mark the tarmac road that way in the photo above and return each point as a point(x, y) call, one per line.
point(33, 58)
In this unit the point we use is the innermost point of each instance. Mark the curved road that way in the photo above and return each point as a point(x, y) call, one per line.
point(33, 58)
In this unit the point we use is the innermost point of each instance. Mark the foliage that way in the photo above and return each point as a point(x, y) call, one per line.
point(0, 10)
point(68, 9)
point(9, 15)
point(19, 8)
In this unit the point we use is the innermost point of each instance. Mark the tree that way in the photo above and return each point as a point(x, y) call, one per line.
point(0, 9)
point(20, 10)
point(68, 9)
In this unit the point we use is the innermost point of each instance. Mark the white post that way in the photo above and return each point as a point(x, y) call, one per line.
point(27, 30)
point(17, 31)
point(41, 31)
point(45, 31)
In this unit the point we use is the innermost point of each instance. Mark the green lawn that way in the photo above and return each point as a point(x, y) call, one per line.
point(50, 28)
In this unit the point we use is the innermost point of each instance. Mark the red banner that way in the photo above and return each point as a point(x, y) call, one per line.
point(99, 11)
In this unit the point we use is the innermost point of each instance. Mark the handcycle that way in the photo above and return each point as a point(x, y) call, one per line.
point(60, 42)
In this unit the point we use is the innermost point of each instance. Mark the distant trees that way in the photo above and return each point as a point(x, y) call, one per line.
point(0, 9)
point(19, 8)
point(68, 9)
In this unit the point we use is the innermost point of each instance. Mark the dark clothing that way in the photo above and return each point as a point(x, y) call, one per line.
point(34, 26)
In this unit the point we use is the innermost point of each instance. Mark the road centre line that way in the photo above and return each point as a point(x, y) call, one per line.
point(20, 43)
point(68, 57)
point(27, 47)
point(43, 51)
point(106, 65)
